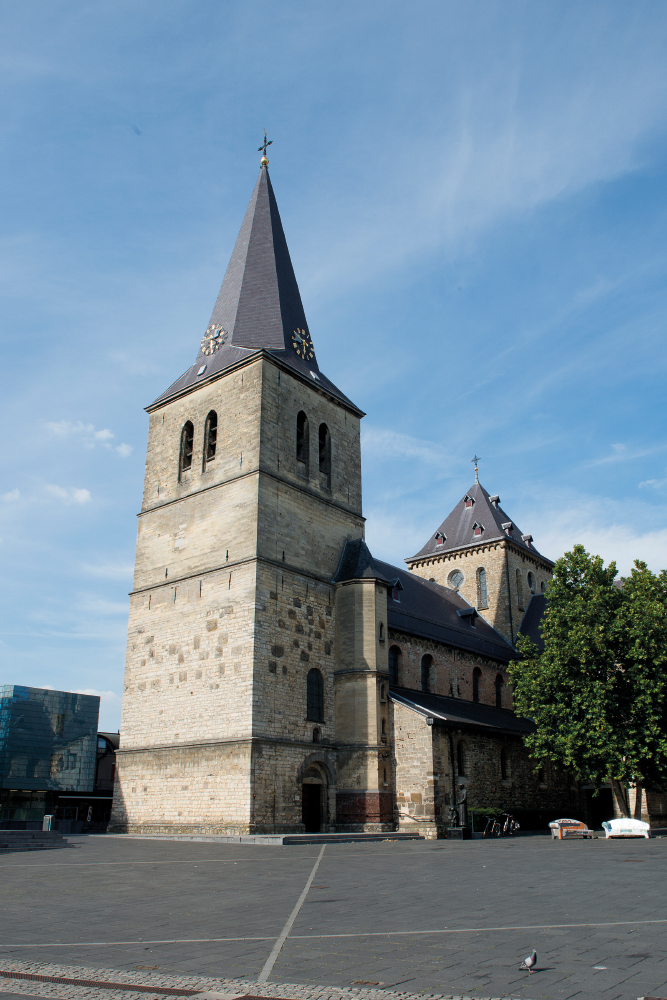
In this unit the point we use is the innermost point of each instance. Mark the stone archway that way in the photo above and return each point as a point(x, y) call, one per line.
point(316, 780)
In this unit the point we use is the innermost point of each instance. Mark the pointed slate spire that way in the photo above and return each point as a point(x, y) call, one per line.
point(477, 518)
point(259, 304)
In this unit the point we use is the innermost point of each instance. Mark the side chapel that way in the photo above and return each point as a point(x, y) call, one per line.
point(279, 678)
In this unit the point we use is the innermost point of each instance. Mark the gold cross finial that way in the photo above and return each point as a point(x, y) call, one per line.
point(476, 460)
point(262, 149)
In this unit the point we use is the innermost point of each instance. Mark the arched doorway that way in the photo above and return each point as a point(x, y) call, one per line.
point(313, 799)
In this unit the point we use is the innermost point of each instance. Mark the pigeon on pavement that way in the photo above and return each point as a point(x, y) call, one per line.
point(529, 962)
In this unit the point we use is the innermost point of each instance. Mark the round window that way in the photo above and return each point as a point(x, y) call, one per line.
point(456, 579)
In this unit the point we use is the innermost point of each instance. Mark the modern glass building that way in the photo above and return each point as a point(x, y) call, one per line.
point(48, 745)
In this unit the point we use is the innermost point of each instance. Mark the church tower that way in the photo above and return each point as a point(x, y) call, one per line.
point(479, 552)
point(252, 488)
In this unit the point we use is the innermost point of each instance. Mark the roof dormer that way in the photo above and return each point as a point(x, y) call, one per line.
point(508, 528)
point(468, 501)
point(468, 615)
point(495, 500)
point(527, 539)
point(440, 539)
point(477, 528)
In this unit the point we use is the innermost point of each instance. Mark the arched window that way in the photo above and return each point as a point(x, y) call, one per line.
point(482, 593)
point(499, 690)
point(456, 578)
point(427, 660)
point(325, 456)
point(315, 696)
point(504, 764)
point(384, 727)
point(394, 656)
point(461, 759)
point(185, 454)
point(302, 442)
point(210, 437)
point(543, 587)
point(476, 677)
point(519, 590)
point(316, 735)
point(532, 586)
point(383, 695)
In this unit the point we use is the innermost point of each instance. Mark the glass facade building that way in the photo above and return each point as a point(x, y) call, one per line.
point(48, 744)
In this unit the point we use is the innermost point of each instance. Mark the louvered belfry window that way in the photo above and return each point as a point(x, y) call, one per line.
point(187, 442)
point(210, 437)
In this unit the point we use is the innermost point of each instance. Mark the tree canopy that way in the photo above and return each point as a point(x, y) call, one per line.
point(598, 691)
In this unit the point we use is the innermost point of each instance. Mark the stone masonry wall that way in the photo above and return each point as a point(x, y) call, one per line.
point(497, 558)
point(451, 672)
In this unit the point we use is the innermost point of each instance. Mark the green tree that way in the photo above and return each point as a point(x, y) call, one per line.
point(598, 692)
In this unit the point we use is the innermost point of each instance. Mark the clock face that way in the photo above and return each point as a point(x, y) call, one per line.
point(213, 339)
point(303, 345)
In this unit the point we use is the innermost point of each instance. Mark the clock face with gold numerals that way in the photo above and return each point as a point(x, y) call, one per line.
point(213, 339)
point(303, 345)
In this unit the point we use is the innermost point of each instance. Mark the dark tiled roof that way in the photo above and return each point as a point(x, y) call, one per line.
point(113, 738)
point(461, 713)
point(458, 527)
point(259, 305)
point(425, 609)
point(533, 615)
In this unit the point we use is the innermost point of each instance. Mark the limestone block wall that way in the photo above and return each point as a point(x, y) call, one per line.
point(501, 560)
point(237, 400)
point(302, 531)
point(278, 769)
point(420, 778)
point(189, 666)
point(426, 784)
point(188, 789)
point(452, 670)
point(202, 532)
point(526, 787)
point(294, 633)
point(283, 396)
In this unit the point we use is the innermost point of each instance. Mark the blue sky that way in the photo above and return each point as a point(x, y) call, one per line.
point(474, 198)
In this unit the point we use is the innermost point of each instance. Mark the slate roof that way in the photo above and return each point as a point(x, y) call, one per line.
point(259, 304)
point(462, 713)
point(458, 527)
point(425, 609)
point(533, 615)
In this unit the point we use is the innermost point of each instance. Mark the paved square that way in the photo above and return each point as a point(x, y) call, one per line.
point(431, 916)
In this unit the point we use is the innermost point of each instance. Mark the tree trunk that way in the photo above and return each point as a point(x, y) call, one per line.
point(620, 798)
point(639, 793)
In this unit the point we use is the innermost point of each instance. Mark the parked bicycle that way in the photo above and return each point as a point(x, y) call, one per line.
point(501, 826)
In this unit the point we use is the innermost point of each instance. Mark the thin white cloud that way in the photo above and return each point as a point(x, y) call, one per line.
point(12, 495)
point(109, 570)
point(88, 435)
point(381, 443)
point(70, 494)
point(622, 453)
point(98, 606)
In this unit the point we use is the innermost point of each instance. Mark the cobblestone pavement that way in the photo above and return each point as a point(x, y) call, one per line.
point(444, 918)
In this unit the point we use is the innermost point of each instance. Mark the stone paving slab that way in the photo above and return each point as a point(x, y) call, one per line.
point(436, 918)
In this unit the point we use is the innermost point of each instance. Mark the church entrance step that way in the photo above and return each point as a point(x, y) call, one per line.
point(272, 839)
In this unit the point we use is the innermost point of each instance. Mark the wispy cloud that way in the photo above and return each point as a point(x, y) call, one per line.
point(384, 444)
point(12, 495)
point(109, 570)
point(623, 453)
point(88, 435)
point(69, 494)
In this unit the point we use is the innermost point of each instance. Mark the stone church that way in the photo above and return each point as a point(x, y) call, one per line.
point(279, 678)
